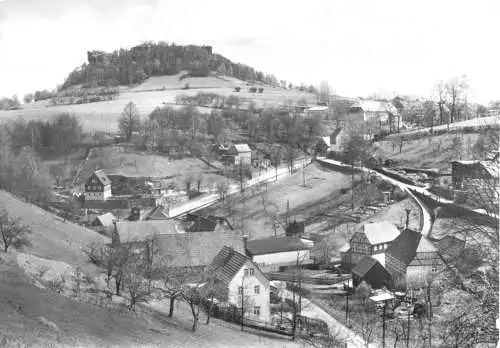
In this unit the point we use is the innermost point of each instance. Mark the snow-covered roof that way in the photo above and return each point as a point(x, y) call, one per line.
point(318, 108)
point(375, 106)
point(242, 148)
point(380, 232)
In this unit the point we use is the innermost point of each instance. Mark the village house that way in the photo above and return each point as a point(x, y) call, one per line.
point(271, 253)
point(260, 159)
point(411, 260)
point(335, 142)
point(246, 283)
point(372, 239)
point(144, 229)
point(382, 116)
point(238, 154)
point(372, 272)
point(97, 187)
point(318, 111)
point(156, 213)
point(104, 220)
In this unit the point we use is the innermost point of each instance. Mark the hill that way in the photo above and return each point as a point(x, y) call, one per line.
point(52, 237)
point(429, 151)
point(35, 317)
point(134, 65)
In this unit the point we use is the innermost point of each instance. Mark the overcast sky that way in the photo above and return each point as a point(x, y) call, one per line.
point(359, 46)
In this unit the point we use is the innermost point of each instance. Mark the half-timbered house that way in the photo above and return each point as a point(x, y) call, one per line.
point(97, 187)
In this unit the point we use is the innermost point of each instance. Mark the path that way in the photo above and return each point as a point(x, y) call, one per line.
point(207, 200)
point(427, 223)
point(311, 310)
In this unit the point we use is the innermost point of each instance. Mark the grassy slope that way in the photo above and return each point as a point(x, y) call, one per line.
point(426, 152)
point(103, 116)
point(52, 238)
point(86, 325)
point(323, 184)
point(139, 164)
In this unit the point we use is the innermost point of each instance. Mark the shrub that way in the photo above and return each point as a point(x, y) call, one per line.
point(344, 190)
point(398, 194)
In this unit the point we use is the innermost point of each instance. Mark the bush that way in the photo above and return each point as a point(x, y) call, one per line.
point(398, 194)
point(344, 190)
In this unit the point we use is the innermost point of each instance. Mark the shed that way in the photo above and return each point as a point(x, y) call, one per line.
point(372, 272)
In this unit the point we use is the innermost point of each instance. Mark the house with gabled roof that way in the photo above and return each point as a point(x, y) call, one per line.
point(334, 142)
point(412, 259)
point(97, 187)
point(104, 220)
point(245, 282)
point(368, 269)
point(372, 239)
point(271, 253)
point(198, 223)
point(238, 154)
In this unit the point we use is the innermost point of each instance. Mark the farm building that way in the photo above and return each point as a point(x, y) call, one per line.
point(245, 282)
point(260, 160)
point(144, 229)
point(156, 213)
point(334, 142)
point(381, 115)
point(238, 154)
point(410, 260)
point(104, 220)
point(270, 253)
point(372, 272)
point(97, 187)
point(318, 111)
point(372, 239)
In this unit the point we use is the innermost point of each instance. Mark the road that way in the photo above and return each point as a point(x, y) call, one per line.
point(207, 200)
point(426, 228)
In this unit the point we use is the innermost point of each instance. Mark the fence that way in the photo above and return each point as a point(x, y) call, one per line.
point(309, 279)
point(232, 314)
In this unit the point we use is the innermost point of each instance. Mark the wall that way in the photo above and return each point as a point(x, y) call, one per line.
point(250, 298)
point(284, 258)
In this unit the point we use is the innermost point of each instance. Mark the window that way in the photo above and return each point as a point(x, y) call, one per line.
point(252, 271)
point(256, 289)
point(435, 267)
point(246, 272)
point(240, 290)
point(256, 310)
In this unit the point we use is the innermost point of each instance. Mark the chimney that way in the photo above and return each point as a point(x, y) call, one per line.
point(408, 211)
point(245, 239)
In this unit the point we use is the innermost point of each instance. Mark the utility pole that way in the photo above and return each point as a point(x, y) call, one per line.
point(408, 336)
point(241, 176)
point(383, 325)
point(304, 174)
point(408, 211)
point(287, 211)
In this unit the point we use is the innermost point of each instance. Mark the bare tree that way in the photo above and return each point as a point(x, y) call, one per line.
point(213, 290)
point(14, 233)
point(276, 158)
point(222, 188)
point(442, 98)
point(324, 92)
point(456, 89)
point(191, 295)
point(137, 286)
point(129, 120)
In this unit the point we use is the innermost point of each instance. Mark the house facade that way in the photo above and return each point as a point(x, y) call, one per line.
point(248, 287)
point(411, 260)
point(238, 154)
point(471, 175)
point(374, 116)
point(335, 142)
point(371, 239)
point(97, 187)
point(372, 272)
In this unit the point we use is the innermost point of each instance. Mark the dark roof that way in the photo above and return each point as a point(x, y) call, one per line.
point(197, 249)
point(404, 247)
point(157, 214)
point(333, 136)
point(102, 177)
point(226, 264)
point(199, 223)
point(364, 266)
point(275, 245)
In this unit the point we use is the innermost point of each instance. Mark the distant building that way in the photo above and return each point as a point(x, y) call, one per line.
point(97, 187)
point(198, 223)
point(104, 220)
point(245, 282)
point(335, 142)
point(372, 239)
point(379, 116)
point(238, 154)
point(321, 111)
point(412, 259)
point(270, 253)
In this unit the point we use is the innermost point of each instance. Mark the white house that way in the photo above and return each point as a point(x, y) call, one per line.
point(270, 253)
point(247, 285)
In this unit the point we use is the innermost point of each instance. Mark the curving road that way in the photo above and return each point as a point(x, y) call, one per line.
point(426, 228)
point(207, 200)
